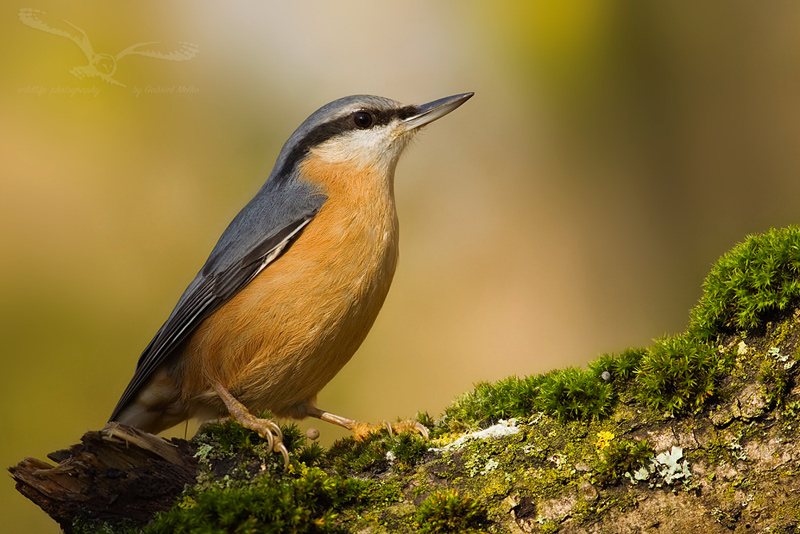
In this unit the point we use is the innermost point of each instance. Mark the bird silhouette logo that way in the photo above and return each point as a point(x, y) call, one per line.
point(102, 66)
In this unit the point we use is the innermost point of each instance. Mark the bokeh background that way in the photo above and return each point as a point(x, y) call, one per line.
point(612, 152)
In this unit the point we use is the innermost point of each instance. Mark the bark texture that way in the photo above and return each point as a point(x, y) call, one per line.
point(118, 473)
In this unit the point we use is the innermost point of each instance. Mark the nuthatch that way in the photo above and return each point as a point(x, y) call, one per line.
point(294, 284)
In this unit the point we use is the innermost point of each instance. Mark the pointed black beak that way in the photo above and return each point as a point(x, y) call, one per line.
point(427, 113)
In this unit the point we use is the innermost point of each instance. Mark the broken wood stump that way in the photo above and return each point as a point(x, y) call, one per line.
point(115, 474)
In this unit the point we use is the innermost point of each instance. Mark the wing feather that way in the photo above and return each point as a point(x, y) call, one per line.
point(243, 251)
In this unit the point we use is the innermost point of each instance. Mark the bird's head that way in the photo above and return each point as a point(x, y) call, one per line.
point(360, 132)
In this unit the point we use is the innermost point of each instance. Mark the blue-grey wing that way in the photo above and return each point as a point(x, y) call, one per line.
point(259, 234)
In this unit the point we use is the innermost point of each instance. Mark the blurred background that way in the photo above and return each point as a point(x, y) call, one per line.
point(612, 152)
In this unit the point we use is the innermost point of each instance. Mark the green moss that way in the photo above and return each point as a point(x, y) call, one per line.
point(620, 457)
point(620, 367)
point(447, 511)
point(307, 503)
point(377, 452)
point(228, 436)
point(756, 279)
point(385, 493)
point(226, 448)
point(487, 403)
point(407, 449)
point(775, 380)
point(568, 394)
point(311, 454)
point(88, 526)
point(348, 455)
point(575, 394)
point(678, 374)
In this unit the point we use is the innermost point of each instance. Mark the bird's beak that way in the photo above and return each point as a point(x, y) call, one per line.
point(427, 113)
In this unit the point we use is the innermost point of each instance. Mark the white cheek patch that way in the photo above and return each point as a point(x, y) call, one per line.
point(381, 145)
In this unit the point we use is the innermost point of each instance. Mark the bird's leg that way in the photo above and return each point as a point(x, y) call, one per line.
point(266, 428)
point(361, 430)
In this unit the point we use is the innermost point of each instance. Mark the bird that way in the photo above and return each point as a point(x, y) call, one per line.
point(293, 285)
point(102, 65)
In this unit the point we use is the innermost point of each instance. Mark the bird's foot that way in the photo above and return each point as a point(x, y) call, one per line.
point(266, 428)
point(362, 430)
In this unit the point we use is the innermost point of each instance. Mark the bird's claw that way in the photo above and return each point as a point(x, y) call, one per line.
point(269, 430)
point(410, 426)
point(281, 448)
point(266, 428)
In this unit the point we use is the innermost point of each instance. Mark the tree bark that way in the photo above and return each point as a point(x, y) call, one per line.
point(118, 473)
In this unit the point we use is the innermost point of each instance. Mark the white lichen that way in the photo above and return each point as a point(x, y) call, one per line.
point(775, 352)
point(665, 468)
point(203, 451)
point(502, 428)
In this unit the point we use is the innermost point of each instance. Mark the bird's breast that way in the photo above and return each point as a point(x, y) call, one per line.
point(278, 341)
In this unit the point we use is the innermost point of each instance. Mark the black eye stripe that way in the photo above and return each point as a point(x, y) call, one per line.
point(338, 126)
point(382, 117)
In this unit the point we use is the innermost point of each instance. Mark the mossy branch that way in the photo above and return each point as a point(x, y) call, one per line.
point(703, 424)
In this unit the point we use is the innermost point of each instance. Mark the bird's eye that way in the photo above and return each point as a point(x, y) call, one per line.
point(362, 119)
